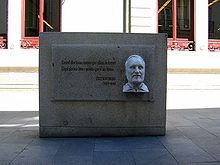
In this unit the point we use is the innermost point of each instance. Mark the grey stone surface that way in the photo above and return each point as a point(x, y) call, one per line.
point(95, 71)
point(78, 103)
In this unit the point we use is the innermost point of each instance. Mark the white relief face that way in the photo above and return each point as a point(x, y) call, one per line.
point(135, 70)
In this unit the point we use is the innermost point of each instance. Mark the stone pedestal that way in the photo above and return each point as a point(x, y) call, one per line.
point(81, 81)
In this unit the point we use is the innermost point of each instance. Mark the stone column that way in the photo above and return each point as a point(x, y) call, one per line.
point(14, 24)
point(144, 16)
point(201, 25)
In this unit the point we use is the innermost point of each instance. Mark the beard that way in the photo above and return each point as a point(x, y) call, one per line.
point(137, 79)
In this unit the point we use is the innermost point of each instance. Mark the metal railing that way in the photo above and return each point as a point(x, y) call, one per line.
point(28, 43)
point(3, 43)
point(180, 44)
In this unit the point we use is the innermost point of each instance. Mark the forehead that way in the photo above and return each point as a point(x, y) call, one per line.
point(135, 61)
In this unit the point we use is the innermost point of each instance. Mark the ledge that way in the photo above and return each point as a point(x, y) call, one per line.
point(19, 69)
point(193, 70)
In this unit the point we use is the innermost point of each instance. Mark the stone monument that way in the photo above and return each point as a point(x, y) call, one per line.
point(102, 84)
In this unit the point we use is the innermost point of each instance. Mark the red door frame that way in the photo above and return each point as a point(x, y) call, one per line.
point(174, 22)
point(4, 37)
point(181, 43)
point(213, 44)
point(30, 42)
point(41, 12)
point(41, 16)
point(33, 42)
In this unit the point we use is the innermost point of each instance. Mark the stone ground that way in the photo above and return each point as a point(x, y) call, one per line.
point(192, 137)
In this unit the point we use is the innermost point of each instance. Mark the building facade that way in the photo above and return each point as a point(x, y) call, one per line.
point(193, 26)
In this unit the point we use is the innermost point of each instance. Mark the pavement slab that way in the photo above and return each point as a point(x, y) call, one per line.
point(186, 142)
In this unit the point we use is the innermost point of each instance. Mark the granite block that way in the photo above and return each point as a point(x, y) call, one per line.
point(81, 76)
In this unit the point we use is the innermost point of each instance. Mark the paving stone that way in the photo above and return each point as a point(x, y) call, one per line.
point(144, 143)
point(32, 152)
point(189, 153)
point(206, 141)
point(36, 161)
point(206, 163)
point(212, 149)
point(206, 122)
point(4, 162)
point(180, 121)
point(47, 142)
point(21, 137)
point(10, 151)
point(174, 140)
point(195, 131)
point(5, 133)
point(34, 155)
point(74, 160)
point(111, 144)
point(217, 157)
point(153, 157)
point(214, 130)
point(76, 147)
point(113, 158)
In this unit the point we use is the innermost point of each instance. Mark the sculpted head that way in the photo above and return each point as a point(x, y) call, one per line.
point(135, 70)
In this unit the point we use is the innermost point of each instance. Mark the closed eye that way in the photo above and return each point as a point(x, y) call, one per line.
point(140, 67)
point(132, 67)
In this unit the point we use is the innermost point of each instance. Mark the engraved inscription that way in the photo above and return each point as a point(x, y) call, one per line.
point(91, 66)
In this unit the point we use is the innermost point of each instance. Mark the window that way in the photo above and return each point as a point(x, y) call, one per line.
point(32, 23)
point(214, 25)
point(31, 18)
point(175, 17)
point(183, 19)
point(3, 24)
point(214, 19)
point(165, 14)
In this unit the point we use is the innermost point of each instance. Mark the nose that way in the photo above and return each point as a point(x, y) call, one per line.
point(136, 69)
